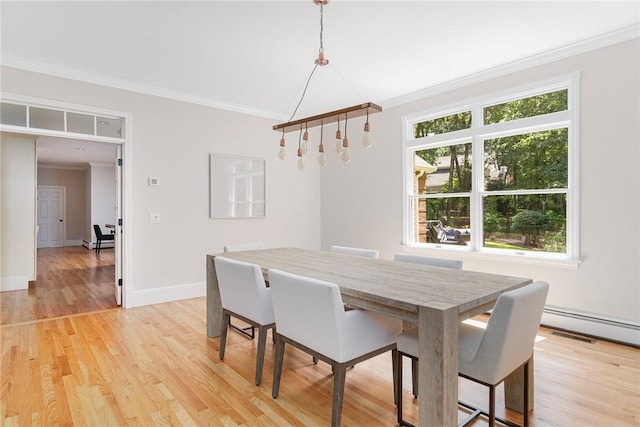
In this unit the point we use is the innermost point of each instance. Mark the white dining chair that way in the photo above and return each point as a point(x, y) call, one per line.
point(427, 260)
point(244, 295)
point(310, 316)
point(250, 331)
point(365, 253)
point(487, 356)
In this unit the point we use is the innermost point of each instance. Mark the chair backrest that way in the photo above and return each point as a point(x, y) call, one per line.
point(308, 311)
point(98, 231)
point(243, 247)
point(427, 260)
point(365, 253)
point(243, 290)
point(511, 331)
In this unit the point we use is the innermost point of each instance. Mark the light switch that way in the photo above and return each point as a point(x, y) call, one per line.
point(153, 181)
point(154, 218)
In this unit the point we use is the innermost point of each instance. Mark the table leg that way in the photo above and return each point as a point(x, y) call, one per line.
point(214, 304)
point(514, 392)
point(438, 367)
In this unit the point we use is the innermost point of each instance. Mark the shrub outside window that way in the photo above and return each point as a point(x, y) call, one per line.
point(496, 175)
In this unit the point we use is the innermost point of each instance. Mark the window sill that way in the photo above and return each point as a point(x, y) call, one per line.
point(462, 252)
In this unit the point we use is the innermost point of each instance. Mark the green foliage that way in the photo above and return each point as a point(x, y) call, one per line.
point(491, 223)
point(527, 107)
point(445, 124)
point(530, 223)
point(555, 241)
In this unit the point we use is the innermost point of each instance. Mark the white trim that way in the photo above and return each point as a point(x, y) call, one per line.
point(114, 82)
point(164, 294)
point(596, 326)
point(15, 283)
point(598, 42)
point(127, 171)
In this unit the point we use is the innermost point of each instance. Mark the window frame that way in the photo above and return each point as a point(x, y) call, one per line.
point(477, 134)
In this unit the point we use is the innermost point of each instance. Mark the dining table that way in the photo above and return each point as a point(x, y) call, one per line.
point(436, 299)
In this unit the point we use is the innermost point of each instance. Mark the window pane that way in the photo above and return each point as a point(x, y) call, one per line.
point(12, 114)
point(443, 170)
point(526, 107)
point(80, 123)
point(109, 127)
point(532, 222)
point(530, 161)
point(444, 124)
point(442, 220)
point(44, 118)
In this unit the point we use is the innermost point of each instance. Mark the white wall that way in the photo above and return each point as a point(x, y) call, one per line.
point(172, 140)
point(17, 235)
point(362, 203)
point(103, 198)
point(73, 181)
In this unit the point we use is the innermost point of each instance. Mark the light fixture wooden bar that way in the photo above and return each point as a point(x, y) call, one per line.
point(331, 117)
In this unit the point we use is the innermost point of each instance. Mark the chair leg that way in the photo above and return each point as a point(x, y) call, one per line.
point(414, 376)
point(492, 406)
point(526, 395)
point(223, 334)
point(339, 374)
point(277, 367)
point(398, 397)
point(394, 369)
point(262, 344)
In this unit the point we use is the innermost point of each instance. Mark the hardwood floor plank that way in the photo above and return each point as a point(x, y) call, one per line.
point(69, 280)
point(154, 365)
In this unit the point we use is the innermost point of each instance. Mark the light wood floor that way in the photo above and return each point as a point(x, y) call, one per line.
point(69, 280)
point(154, 365)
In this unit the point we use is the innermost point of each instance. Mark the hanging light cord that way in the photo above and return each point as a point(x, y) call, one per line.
point(321, 27)
point(314, 68)
point(303, 93)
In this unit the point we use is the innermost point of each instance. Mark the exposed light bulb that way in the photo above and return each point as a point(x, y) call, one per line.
point(322, 158)
point(300, 162)
point(366, 136)
point(346, 155)
point(282, 154)
point(338, 142)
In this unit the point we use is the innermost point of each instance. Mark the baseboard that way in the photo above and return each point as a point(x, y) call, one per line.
point(16, 283)
point(591, 325)
point(137, 298)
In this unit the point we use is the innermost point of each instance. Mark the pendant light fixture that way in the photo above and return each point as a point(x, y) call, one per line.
point(342, 145)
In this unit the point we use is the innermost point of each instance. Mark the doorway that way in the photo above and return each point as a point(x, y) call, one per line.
point(64, 124)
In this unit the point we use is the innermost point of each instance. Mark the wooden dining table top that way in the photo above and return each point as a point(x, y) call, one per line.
point(396, 288)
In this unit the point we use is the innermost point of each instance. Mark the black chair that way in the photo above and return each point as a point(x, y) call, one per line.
point(101, 237)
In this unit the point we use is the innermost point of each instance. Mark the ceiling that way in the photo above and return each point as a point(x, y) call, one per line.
point(256, 57)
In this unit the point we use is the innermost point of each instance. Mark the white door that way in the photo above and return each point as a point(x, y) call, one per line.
point(118, 230)
point(51, 210)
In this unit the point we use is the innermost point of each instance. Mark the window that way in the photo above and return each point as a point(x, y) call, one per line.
point(496, 175)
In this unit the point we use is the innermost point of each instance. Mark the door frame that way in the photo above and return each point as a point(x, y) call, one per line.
point(124, 228)
point(64, 212)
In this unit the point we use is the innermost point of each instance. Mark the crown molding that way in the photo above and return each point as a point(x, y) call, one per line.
point(604, 40)
point(587, 45)
point(27, 64)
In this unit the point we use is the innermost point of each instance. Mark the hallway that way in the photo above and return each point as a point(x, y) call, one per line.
point(70, 280)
